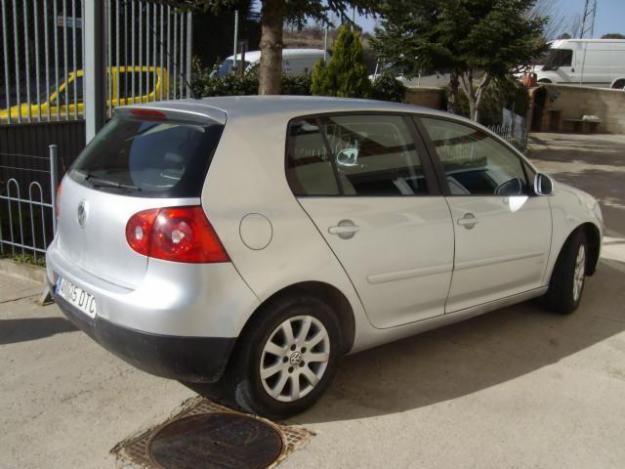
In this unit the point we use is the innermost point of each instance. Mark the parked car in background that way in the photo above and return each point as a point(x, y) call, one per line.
point(129, 85)
point(254, 240)
point(591, 62)
point(294, 61)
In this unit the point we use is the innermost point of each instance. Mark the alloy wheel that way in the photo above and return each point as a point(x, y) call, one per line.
point(294, 358)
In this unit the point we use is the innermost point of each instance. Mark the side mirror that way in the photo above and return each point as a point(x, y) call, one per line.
point(543, 185)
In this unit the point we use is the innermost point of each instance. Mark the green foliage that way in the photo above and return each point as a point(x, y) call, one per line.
point(205, 85)
point(613, 36)
point(493, 36)
point(479, 41)
point(345, 74)
point(387, 88)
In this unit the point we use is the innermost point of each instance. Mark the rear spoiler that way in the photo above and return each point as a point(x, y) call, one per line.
point(183, 111)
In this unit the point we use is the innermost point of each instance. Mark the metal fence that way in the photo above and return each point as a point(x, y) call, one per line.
point(41, 48)
point(27, 202)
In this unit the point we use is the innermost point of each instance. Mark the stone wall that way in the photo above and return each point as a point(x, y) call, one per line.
point(572, 102)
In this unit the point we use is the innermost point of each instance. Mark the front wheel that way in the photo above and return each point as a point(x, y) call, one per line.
point(287, 357)
point(569, 275)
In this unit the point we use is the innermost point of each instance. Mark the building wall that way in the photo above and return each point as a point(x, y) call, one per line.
point(573, 102)
point(426, 97)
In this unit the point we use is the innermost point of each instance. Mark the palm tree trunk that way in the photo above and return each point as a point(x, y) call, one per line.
point(270, 73)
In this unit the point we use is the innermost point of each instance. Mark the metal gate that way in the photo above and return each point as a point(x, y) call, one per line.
point(148, 56)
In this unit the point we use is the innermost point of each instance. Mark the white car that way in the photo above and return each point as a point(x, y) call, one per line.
point(294, 61)
point(590, 62)
point(256, 240)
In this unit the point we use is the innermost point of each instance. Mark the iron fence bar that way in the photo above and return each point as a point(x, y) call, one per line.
point(168, 49)
point(126, 51)
point(109, 59)
point(55, 28)
point(5, 48)
point(24, 169)
point(117, 52)
point(65, 59)
point(27, 61)
point(53, 151)
point(132, 74)
point(14, 245)
point(181, 54)
point(147, 51)
point(162, 44)
point(17, 199)
point(47, 59)
point(18, 82)
point(32, 217)
point(74, 61)
point(189, 51)
point(153, 74)
point(19, 211)
point(37, 70)
point(140, 51)
point(175, 90)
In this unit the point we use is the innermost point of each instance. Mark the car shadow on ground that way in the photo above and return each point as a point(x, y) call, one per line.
point(470, 356)
point(21, 330)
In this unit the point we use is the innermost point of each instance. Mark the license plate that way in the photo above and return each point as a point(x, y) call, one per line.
point(76, 296)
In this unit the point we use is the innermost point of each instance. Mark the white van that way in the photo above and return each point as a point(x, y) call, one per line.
point(590, 62)
point(294, 61)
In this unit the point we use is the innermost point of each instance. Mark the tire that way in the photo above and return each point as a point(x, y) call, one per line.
point(619, 85)
point(265, 346)
point(568, 277)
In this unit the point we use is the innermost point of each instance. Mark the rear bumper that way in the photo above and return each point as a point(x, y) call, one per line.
point(191, 359)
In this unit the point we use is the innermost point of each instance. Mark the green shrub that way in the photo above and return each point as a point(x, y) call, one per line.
point(345, 74)
point(387, 88)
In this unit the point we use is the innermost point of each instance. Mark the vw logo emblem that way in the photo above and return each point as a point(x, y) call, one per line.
point(82, 213)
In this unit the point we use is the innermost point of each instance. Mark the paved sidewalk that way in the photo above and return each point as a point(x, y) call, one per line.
point(516, 388)
point(65, 401)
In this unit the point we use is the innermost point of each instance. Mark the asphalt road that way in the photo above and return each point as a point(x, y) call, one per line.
point(516, 388)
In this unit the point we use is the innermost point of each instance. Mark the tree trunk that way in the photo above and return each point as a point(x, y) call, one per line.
point(270, 73)
point(452, 92)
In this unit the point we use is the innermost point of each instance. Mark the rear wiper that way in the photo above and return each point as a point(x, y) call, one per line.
point(99, 182)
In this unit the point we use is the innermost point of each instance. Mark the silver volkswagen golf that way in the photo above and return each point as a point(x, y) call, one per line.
point(253, 241)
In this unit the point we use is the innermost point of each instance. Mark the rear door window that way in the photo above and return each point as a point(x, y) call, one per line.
point(354, 155)
point(148, 158)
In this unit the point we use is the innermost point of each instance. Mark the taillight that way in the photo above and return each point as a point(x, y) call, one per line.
point(179, 234)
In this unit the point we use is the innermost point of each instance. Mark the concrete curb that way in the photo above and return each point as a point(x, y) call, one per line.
point(26, 271)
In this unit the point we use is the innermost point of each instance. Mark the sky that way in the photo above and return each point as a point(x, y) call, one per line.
point(610, 15)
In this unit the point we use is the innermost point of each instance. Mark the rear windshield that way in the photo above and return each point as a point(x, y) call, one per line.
point(148, 158)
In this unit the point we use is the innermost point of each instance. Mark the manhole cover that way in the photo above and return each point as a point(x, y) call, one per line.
point(215, 440)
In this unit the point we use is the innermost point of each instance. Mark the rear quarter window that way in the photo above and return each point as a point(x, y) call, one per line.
point(148, 158)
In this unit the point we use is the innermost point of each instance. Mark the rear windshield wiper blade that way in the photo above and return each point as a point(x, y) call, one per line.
point(100, 182)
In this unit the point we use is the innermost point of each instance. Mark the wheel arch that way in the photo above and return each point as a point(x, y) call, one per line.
point(617, 80)
point(593, 239)
point(324, 291)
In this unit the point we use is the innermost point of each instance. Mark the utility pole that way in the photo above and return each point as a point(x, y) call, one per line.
point(95, 71)
point(236, 39)
point(587, 28)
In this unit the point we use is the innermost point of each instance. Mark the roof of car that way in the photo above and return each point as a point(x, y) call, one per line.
point(284, 107)
point(254, 55)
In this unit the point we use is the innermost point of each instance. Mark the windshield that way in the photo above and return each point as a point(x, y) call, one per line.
point(148, 158)
point(558, 58)
point(227, 66)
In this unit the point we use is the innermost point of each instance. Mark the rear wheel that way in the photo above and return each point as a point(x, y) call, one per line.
point(619, 85)
point(287, 357)
point(569, 275)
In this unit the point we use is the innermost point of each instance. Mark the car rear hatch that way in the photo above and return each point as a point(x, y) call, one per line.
point(143, 158)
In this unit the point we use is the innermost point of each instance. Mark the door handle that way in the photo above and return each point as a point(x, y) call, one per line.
point(345, 229)
point(468, 221)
